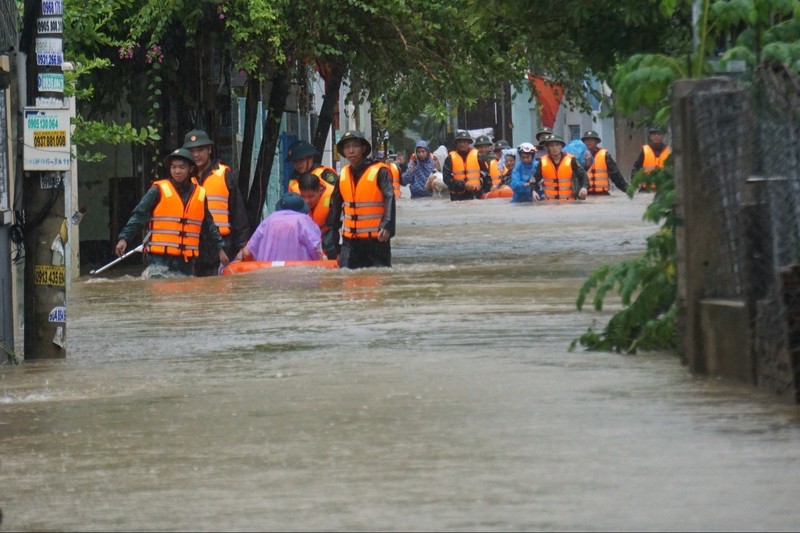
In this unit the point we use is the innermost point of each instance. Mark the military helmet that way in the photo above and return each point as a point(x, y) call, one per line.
point(483, 140)
point(590, 134)
point(502, 144)
point(655, 129)
point(299, 150)
point(353, 134)
point(554, 138)
point(196, 138)
point(179, 152)
point(542, 132)
point(463, 135)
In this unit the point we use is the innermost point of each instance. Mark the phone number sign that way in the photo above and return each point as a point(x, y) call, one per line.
point(49, 275)
point(47, 139)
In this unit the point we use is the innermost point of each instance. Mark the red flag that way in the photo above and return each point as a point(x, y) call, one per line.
point(548, 97)
point(324, 69)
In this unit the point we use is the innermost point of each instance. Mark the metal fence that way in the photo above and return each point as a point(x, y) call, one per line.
point(738, 189)
point(775, 234)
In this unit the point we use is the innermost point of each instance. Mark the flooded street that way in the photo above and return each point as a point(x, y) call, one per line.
point(436, 395)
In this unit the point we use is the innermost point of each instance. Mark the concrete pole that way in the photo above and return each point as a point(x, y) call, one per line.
point(73, 215)
point(6, 283)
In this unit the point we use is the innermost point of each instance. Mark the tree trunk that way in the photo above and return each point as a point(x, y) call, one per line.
point(332, 86)
point(269, 141)
point(250, 124)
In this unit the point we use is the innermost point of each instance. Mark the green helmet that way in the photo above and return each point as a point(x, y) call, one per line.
point(179, 152)
point(353, 134)
point(543, 132)
point(554, 138)
point(196, 138)
point(299, 150)
point(590, 134)
point(502, 144)
point(483, 140)
point(463, 135)
point(655, 129)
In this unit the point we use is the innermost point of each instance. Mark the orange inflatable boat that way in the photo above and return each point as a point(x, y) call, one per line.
point(502, 192)
point(239, 267)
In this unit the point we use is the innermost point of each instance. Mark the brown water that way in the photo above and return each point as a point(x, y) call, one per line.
point(436, 395)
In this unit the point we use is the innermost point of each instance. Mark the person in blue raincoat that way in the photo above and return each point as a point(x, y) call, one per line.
point(581, 152)
point(419, 171)
point(522, 176)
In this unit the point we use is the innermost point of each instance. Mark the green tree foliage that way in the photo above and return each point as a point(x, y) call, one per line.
point(647, 285)
point(759, 31)
point(91, 33)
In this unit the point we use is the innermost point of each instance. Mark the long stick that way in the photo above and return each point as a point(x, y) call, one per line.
point(117, 260)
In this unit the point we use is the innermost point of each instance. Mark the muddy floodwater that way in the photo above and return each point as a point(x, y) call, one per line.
point(436, 395)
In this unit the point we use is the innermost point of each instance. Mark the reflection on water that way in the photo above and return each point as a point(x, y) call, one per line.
point(436, 395)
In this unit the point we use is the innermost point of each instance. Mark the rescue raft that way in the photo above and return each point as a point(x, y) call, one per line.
point(239, 267)
point(502, 192)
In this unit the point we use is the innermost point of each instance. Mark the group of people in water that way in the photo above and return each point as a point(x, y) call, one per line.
point(196, 223)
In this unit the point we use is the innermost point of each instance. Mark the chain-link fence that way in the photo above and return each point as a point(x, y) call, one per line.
point(775, 236)
point(738, 190)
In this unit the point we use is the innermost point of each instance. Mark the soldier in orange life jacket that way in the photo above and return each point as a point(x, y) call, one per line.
point(561, 176)
point(652, 156)
point(485, 155)
point(541, 149)
point(317, 193)
point(365, 197)
point(176, 210)
point(499, 153)
point(464, 173)
point(224, 201)
point(603, 167)
point(302, 155)
point(394, 170)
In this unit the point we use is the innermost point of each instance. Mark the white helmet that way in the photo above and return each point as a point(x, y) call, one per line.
point(526, 148)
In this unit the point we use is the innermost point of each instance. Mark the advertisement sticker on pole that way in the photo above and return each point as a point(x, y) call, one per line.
point(46, 139)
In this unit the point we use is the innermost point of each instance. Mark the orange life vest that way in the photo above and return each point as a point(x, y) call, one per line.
point(294, 183)
point(495, 173)
point(468, 171)
point(598, 173)
point(320, 212)
point(557, 180)
point(175, 228)
point(218, 194)
point(318, 171)
point(362, 203)
point(651, 162)
point(394, 171)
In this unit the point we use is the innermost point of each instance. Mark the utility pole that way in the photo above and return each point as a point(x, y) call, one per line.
point(6, 215)
point(47, 185)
